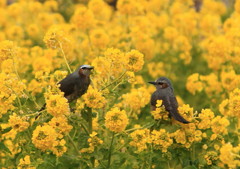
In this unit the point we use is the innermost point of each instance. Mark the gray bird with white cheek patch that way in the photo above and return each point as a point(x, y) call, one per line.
point(165, 93)
point(75, 84)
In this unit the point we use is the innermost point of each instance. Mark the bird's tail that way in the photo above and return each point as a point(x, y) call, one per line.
point(179, 118)
point(43, 107)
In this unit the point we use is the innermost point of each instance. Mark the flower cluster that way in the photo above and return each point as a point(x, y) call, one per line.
point(161, 140)
point(116, 120)
point(93, 141)
point(94, 99)
point(160, 112)
point(140, 138)
point(57, 105)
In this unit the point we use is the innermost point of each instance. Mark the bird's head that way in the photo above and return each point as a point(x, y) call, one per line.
point(85, 70)
point(162, 83)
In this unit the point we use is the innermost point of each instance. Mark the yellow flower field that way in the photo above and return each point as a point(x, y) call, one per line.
point(195, 43)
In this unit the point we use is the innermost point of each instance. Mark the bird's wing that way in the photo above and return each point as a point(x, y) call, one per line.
point(171, 105)
point(154, 99)
point(67, 85)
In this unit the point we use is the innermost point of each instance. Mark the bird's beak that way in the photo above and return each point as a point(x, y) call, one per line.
point(90, 67)
point(154, 83)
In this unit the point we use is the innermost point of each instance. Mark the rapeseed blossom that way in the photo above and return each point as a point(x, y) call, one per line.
point(94, 99)
point(161, 140)
point(18, 123)
point(44, 137)
point(140, 139)
point(57, 105)
point(25, 163)
point(116, 120)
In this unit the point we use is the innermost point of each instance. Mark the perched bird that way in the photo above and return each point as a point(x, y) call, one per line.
point(165, 93)
point(75, 84)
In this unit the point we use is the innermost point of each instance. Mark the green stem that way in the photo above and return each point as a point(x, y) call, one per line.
point(85, 129)
point(133, 129)
point(65, 59)
point(150, 157)
point(110, 151)
point(72, 142)
point(169, 165)
point(113, 81)
point(90, 120)
point(193, 152)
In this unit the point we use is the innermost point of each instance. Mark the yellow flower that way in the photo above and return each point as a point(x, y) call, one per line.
point(7, 66)
point(229, 79)
point(59, 148)
point(205, 147)
point(136, 99)
point(94, 140)
point(101, 66)
point(130, 7)
point(234, 103)
point(99, 38)
point(60, 124)
point(160, 112)
point(229, 155)
point(7, 50)
point(15, 33)
point(211, 157)
point(135, 60)
point(170, 33)
point(161, 140)
point(83, 18)
point(95, 124)
point(10, 88)
point(219, 50)
point(130, 76)
point(116, 120)
point(18, 123)
point(57, 37)
point(44, 137)
point(100, 9)
point(117, 60)
point(212, 85)
point(186, 111)
point(213, 137)
point(237, 6)
point(209, 24)
point(25, 163)
point(57, 105)
point(156, 69)
point(206, 117)
point(51, 6)
point(219, 125)
point(94, 99)
point(145, 44)
point(140, 138)
point(180, 136)
point(194, 84)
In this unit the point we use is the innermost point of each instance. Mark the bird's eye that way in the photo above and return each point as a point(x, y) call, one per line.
point(160, 83)
point(83, 68)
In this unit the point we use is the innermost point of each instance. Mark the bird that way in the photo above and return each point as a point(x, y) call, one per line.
point(75, 84)
point(165, 92)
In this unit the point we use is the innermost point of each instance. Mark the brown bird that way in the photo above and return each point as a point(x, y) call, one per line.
point(165, 93)
point(75, 84)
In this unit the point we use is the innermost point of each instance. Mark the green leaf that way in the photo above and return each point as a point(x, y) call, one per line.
point(6, 130)
point(190, 167)
point(3, 147)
